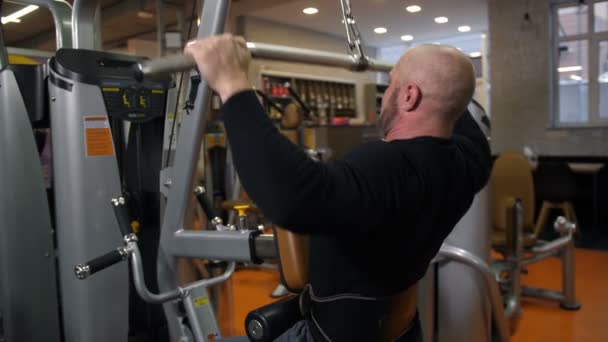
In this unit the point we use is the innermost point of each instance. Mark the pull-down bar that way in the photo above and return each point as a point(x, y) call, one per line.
point(268, 51)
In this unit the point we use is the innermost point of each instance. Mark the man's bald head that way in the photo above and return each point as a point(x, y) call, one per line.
point(440, 77)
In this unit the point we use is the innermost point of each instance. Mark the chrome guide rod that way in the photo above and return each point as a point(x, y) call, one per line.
point(84, 24)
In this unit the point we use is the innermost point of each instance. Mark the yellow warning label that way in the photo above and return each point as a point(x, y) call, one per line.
point(98, 137)
point(158, 91)
point(214, 139)
point(23, 60)
point(142, 102)
point(200, 301)
point(125, 100)
point(112, 90)
point(135, 226)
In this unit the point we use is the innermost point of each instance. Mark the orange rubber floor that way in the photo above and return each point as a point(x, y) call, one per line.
point(541, 320)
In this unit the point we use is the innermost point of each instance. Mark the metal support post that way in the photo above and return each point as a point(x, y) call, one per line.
point(3, 51)
point(188, 142)
point(181, 23)
point(160, 27)
point(84, 30)
point(213, 18)
point(568, 278)
point(460, 255)
point(513, 308)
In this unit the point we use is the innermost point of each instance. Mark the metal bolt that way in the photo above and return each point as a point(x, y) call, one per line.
point(118, 201)
point(53, 99)
point(46, 255)
point(216, 221)
point(255, 329)
point(168, 183)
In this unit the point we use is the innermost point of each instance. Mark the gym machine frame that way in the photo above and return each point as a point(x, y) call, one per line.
point(516, 259)
point(28, 293)
point(225, 243)
point(62, 18)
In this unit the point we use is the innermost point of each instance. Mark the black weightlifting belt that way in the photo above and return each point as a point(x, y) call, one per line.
point(351, 318)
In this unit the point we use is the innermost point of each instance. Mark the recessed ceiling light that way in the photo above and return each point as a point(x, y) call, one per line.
point(310, 10)
point(464, 28)
point(407, 38)
point(145, 14)
point(441, 20)
point(413, 8)
point(576, 77)
point(570, 68)
point(475, 54)
point(380, 30)
point(436, 43)
point(14, 18)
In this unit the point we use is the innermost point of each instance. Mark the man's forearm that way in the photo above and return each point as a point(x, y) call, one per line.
point(235, 86)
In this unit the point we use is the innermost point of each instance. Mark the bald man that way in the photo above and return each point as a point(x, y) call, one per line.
point(377, 217)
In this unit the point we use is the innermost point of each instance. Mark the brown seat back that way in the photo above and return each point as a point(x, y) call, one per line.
point(293, 259)
point(511, 178)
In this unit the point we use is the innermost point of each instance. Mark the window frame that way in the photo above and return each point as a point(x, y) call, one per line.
point(594, 39)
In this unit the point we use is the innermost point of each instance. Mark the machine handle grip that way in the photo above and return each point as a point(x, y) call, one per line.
point(203, 200)
point(91, 267)
point(165, 65)
point(122, 215)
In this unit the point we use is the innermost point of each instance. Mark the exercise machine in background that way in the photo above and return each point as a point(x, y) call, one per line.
point(107, 133)
point(93, 100)
point(29, 303)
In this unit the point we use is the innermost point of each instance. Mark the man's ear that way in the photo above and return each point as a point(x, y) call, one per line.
point(409, 97)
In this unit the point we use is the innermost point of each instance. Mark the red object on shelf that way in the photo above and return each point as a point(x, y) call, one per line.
point(339, 121)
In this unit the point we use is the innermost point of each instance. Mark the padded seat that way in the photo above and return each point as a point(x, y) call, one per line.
point(513, 201)
point(268, 322)
point(293, 255)
point(512, 179)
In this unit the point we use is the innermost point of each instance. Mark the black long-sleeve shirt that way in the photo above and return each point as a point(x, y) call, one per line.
point(377, 217)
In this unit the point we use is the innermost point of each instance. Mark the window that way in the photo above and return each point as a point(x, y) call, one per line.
point(580, 63)
point(602, 80)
